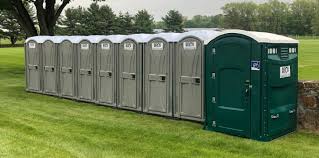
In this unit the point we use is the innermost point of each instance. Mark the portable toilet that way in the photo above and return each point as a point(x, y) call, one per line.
point(158, 74)
point(106, 68)
point(67, 64)
point(85, 56)
point(50, 65)
point(189, 73)
point(130, 72)
point(251, 84)
point(33, 63)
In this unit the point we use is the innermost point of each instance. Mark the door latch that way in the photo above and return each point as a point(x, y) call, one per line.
point(213, 75)
point(292, 111)
point(275, 116)
point(213, 100)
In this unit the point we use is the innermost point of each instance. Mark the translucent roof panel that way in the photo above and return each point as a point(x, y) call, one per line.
point(116, 38)
point(205, 35)
point(263, 37)
point(38, 39)
point(140, 38)
point(169, 37)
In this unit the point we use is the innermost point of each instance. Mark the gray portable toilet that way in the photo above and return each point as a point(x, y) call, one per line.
point(106, 68)
point(50, 65)
point(130, 72)
point(189, 75)
point(86, 48)
point(67, 64)
point(33, 63)
point(158, 73)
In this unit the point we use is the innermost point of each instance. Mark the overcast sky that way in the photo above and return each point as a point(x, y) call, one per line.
point(159, 8)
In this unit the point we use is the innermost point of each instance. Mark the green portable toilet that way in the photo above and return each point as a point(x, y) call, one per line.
point(251, 84)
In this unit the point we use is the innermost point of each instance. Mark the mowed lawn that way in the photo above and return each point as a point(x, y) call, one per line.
point(33, 125)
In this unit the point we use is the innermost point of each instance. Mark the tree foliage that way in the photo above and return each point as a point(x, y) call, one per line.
point(173, 21)
point(143, 22)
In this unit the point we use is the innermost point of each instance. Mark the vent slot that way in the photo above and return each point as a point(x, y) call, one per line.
point(284, 53)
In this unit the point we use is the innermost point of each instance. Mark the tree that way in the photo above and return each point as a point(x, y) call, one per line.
point(315, 21)
point(123, 24)
point(173, 21)
point(302, 12)
point(273, 17)
point(99, 19)
point(240, 15)
point(143, 22)
point(199, 21)
point(48, 13)
point(74, 21)
point(9, 26)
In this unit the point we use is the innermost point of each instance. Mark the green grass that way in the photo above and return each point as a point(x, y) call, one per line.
point(33, 125)
point(7, 41)
point(309, 60)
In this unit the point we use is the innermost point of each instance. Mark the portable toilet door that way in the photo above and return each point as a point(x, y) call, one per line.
point(130, 75)
point(33, 63)
point(188, 102)
point(50, 67)
point(157, 73)
point(86, 70)
point(67, 64)
point(251, 84)
point(106, 72)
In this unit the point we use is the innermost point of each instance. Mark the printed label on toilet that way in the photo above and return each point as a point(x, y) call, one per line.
point(32, 45)
point(157, 46)
point(128, 46)
point(105, 46)
point(285, 72)
point(84, 46)
point(189, 45)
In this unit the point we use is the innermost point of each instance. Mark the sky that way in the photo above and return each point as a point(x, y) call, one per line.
point(159, 8)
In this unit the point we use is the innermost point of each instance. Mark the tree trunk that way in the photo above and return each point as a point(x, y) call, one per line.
point(23, 17)
point(13, 40)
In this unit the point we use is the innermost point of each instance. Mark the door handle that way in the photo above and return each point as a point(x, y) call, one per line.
point(247, 87)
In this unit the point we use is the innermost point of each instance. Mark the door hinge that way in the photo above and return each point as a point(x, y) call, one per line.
point(213, 100)
point(213, 75)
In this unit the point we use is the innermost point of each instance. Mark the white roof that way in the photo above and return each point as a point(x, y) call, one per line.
point(38, 39)
point(140, 38)
point(116, 38)
point(205, 35)
point(169, 37)
point(263, 37)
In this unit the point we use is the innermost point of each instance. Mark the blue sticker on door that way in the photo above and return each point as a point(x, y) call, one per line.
point(255, 65)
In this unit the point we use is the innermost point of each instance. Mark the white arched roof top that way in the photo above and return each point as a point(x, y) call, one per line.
point(116, 38)
point(140, 38)
point(205, 35)
point(169, 37)
point(263, 37)
point(97, 38)
point(39, 39)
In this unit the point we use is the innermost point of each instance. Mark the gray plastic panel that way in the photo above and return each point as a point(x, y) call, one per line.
point(130, 75)
point(157, 75)
point(85, 68)
point(106, 76)
point(33, 66)
point(189, 91)
point(67, 73)
point(50, 71)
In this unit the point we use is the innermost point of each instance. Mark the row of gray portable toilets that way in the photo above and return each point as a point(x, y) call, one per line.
point(159, 74)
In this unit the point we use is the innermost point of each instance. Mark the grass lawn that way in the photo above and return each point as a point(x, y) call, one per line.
point(33, 125)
